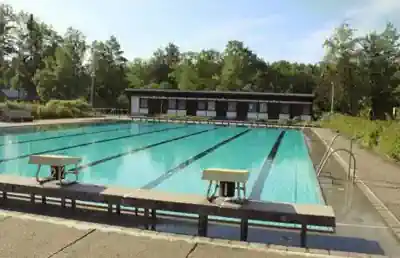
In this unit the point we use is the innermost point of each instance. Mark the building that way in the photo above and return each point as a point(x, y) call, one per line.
point(221, 104)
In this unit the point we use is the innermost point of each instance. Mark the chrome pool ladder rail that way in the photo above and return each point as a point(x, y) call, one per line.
point(329, 152)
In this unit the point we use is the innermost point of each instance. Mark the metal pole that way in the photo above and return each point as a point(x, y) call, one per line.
point(351, 150)
point(93, 76)
point(332, 97)
point(92, 90)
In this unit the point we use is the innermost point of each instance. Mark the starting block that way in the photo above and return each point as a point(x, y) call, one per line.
point(227, 181)
point(57, 165)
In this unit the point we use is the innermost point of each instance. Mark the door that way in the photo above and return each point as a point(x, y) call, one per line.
point(191, 107)
point(242, 108)
point(154, 106)
point(164, 106)
point(295, 110)
point(220, 109)
point(273, 111)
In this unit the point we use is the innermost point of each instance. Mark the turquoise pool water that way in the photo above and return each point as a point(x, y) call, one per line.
point(171, 157)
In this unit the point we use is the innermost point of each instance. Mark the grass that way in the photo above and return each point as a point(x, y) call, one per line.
point(381, 136)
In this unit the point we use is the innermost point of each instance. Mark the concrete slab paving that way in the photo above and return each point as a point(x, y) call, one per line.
point(379, 179)
point(360, 227)
point(109, 244)
point(203, 250)
point(25, 238)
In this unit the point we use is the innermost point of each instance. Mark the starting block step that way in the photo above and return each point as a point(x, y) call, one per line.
point(54, 160)
point(225, 175)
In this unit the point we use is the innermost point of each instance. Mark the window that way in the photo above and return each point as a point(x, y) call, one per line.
point(181, 104)
point(172, 104)
point(211, 105)
point(253, 107)
point(231, 106)
point(284, 108)
point(306, 109)
point(201, 105)
point(143, 103)
point(263, 107)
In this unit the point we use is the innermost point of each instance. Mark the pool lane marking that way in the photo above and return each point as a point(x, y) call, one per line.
point(189, 161)
point(94, 142)
point(119, 155)
point(265, 169)
point(68, 135)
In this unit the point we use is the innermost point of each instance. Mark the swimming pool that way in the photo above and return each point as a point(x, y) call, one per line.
point(171, 157)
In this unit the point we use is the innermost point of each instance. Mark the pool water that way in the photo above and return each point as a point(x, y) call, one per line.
point(171, 157)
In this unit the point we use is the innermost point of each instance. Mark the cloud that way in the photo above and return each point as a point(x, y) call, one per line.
point(371, 15)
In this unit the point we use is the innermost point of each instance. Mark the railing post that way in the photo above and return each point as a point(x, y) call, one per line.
point(350, 160)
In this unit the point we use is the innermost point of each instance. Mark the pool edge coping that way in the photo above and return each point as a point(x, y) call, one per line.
point(61, 121)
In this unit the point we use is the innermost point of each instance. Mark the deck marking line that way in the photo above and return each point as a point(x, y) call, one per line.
point(119, 155)
point(189, 161)
point(89, 143)
point(67, 135)
point(361, 226)
point(265, 169)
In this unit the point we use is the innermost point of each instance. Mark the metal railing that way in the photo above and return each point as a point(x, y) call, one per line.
point(111, 112)
point(290, 124)
point(330, 151)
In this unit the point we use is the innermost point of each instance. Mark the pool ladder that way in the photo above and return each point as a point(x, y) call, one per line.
point(351, 175)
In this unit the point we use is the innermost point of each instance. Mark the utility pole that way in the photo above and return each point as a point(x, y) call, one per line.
point(332, 96)
point(94, 63)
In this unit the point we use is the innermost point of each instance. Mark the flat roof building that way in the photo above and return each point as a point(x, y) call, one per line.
point(221, 104)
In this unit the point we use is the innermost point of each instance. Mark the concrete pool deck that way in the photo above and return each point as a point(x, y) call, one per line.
point(379, 179)
point(30, 236)
point(53, 122)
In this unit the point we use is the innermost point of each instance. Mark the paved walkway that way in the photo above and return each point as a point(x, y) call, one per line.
point(53, 121)
point(378, 178)
point(24, 237)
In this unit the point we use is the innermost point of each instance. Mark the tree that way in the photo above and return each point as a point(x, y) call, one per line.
point(343, 51)
point(379, 66)
point(365, 70)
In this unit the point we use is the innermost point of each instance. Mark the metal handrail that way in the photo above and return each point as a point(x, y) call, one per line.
point(327, 152)
point(353, 175)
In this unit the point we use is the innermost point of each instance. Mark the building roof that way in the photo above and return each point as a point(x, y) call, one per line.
point(227, 95)
point(142, 90)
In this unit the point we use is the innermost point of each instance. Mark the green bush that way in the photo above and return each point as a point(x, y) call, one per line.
point(53, 109)
point(383, 136)
point(389, 141)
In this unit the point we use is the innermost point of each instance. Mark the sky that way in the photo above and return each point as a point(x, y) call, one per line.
point(292, 30)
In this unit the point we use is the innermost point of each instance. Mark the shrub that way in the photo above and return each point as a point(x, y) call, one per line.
point(384, 136)
point(54, 108)
point(389, 141)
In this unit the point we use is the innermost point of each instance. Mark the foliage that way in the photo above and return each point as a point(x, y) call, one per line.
point(389, 142)
point(364, 71)
point(53, 109)
point(384, 136)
